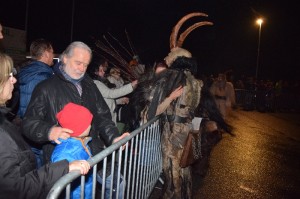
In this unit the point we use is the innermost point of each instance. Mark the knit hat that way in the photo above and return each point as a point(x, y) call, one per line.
point(75, 117)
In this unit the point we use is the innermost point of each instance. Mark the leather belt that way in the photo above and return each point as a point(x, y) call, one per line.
point(220, 97)
point(177, 119)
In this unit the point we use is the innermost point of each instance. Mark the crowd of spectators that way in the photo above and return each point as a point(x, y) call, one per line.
point(267, 95)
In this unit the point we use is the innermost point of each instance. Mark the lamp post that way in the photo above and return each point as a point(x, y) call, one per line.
point(259, 22)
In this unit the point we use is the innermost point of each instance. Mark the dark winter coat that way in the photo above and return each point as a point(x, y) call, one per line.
point(51, 95)
point(28, 78)
point(18, 176)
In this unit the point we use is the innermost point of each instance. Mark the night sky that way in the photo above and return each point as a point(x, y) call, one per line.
point(230, 44)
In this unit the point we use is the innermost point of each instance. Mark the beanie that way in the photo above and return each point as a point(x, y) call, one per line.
point(75, 117)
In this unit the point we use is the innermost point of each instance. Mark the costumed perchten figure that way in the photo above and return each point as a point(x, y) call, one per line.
point(180, 113)
point(152, 95)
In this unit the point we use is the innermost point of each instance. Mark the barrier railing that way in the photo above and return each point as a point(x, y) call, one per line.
point(261, 100)
point(129, 168)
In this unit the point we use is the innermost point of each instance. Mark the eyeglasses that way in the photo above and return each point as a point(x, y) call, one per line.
point(12, 73)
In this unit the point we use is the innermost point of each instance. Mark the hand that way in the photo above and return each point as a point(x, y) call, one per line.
point(176, 93)
point(120, 138)
point(125, 100)
point(134, 83)
point(82, 165)
point(59, 132)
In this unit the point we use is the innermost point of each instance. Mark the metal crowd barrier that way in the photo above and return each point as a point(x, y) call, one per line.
point(261, 100)
point(134, 164)
point(245, 99)
point(242, 96)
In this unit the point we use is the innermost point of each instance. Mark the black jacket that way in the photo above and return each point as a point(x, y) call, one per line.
point(18, 176)
point(50, 96)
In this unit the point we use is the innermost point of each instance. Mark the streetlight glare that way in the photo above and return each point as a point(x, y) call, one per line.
point(259, 21)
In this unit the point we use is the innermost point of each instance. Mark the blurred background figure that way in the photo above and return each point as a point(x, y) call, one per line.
point(223, 92)
point(115, 77)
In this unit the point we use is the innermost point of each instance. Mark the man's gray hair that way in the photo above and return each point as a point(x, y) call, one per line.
point(70, 49)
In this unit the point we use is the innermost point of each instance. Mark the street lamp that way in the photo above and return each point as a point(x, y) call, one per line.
point(259, 22)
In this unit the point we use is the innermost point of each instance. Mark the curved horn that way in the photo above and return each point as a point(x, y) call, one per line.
point(173, 37)
point(190, 29)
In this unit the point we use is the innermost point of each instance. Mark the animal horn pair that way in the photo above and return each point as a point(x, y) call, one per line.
point(173, 38)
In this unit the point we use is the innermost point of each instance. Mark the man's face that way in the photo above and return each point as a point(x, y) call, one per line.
point(101, 71)
point(76, 65)
point(50, 55)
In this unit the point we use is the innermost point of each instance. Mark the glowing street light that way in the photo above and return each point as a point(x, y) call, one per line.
point(259, 22)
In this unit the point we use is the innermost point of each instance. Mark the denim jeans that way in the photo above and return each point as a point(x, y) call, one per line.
point(108, 181)
point(38, 156)
point(148, 149)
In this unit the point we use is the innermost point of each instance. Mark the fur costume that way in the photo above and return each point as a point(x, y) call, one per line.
point(178, 123)
point(150, 92)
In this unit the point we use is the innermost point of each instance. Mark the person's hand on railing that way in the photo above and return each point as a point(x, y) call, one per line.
point(82, 165)
point(120, 138)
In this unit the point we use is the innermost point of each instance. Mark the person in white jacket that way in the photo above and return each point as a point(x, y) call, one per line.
point(112, 96)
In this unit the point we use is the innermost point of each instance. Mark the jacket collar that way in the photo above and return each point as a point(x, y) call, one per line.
point(3, 111)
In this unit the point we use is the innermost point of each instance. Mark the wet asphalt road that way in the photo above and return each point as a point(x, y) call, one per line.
point(262, 160)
